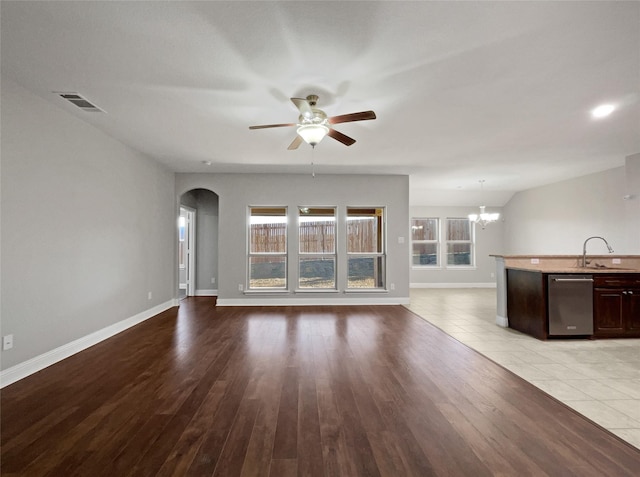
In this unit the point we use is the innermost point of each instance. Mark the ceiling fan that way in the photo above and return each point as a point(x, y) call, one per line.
point(313, 124)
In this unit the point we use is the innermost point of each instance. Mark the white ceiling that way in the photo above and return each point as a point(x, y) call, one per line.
point(463, 91)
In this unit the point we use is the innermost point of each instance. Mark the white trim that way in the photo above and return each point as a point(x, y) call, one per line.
point(264, 301)
point(206, 293)
point(502, 321)
point(453, 285)
point(316, 290)
point(366, 290)
point(33, 365)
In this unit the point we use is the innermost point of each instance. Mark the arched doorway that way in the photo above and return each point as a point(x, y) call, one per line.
point(198, 244)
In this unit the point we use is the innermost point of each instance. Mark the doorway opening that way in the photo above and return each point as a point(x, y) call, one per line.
point(197, 273)
point(186, 252)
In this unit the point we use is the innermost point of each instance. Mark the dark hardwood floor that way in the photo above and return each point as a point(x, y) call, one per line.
point(284, 391)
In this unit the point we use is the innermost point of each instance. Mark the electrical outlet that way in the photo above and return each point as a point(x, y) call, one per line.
point(392, 286)
point(240, 287)
point(7, 342)
point(400, 239)
point(616, 261)
point(149, 295)
point(213, 280)
point(535, 261)
point(493, 275)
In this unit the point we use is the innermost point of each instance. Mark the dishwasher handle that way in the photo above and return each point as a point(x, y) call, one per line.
point(572, 279)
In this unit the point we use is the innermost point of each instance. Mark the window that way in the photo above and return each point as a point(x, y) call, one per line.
point(365, 247)
point(268, 248)
point(425, 242)
point(460, 246)
point(317, 237)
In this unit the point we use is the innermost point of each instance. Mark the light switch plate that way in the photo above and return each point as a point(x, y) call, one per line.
point(7, 342)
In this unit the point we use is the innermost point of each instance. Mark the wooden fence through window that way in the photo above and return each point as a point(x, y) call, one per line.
point(316, 237)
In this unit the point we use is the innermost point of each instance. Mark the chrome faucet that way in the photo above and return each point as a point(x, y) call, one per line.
point(584, 249)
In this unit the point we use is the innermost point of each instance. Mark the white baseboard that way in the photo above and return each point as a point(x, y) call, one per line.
point(453, 285)
point(264, 301)
point(33, 365)
point(206, 293)
point(502, 321)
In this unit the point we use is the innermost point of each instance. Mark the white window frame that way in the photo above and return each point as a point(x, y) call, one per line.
point(437, 241)
point(471, 241)
point(380, 256)
point(251, 254)
point(319, 255)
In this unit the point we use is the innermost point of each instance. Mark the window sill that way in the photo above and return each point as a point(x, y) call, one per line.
point(318, 290)
point(366, 290)
point(266, 292)
point(426, 267)
point(461, 267)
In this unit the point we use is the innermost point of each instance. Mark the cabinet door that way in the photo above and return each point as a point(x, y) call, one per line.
point(608, 308)
point(633, 312)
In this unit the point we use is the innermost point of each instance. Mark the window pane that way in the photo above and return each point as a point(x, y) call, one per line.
point(459, 254)
point(317, 272)
point(268, 272)
point(366, 272)
point(425, 254)
point(424, 229)
point(458, 229)
point(317, 230)
point(365, 231)
point(268, 232)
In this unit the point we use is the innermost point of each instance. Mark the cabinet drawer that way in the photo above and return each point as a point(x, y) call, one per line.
point(616, 281)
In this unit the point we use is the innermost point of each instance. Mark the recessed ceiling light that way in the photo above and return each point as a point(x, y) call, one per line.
point(207, 163)
point(602, 111)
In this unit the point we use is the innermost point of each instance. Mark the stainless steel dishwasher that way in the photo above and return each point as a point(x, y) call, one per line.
point(570, 305)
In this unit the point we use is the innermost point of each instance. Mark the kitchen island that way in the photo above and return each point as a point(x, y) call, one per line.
point(523, 293)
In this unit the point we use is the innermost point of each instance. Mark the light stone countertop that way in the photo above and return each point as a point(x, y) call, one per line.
point(598, 264)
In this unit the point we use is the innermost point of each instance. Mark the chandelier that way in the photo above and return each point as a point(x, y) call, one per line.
point(483, 218)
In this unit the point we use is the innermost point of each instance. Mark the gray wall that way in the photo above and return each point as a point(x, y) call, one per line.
point(557, 218)
point(488, 241)
point(88, 228)
point(631, 198)
point(236, 192)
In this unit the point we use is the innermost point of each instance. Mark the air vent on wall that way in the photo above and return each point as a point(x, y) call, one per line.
point(79, 101)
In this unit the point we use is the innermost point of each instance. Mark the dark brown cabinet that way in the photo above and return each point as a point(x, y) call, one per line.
point(616, 305)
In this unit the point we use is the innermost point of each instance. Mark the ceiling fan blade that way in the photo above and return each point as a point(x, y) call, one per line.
point(296, 142)
point(338, 136)
point(303, 106)
point(345, 118)
point(272, 126)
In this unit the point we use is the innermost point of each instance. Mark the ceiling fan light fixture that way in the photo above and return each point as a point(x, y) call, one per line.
point(312, 133)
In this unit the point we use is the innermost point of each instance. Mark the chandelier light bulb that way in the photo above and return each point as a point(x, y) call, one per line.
point(484, 218)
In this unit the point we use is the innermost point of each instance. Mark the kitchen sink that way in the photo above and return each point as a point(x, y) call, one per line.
point(606, 267)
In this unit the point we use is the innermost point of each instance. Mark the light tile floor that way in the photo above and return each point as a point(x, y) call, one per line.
point(598, 378)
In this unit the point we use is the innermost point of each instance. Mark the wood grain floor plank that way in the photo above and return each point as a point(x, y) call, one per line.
point(234, 451)
point(283, 391)
point(284, 468)
point(286, 438)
